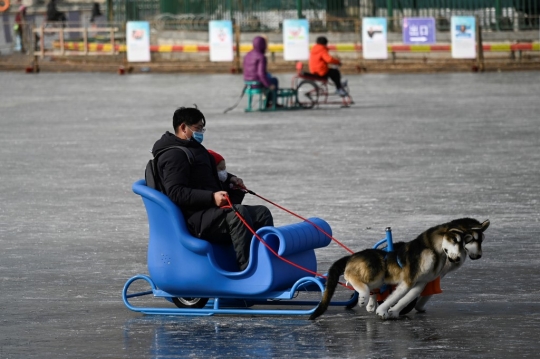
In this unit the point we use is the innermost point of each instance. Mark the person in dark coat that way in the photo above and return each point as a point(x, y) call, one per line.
point(196, 189)
point(255, 67)
point(53, 14)
point(96, 12)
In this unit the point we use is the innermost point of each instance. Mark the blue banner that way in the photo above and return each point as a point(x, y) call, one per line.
point(419, 30)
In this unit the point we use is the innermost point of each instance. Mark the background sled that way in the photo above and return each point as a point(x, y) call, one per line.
point(286, 98)
point(313, 90)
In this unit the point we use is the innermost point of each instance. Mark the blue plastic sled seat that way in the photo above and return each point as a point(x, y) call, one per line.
point(181, 265)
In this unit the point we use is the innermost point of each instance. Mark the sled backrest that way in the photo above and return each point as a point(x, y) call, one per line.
point(168, 233)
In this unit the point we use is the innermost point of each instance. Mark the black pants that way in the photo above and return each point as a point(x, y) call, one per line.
point(274, 81)
point(231, 228)
point(335, 76)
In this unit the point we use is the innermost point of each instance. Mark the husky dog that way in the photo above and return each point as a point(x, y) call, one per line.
point(472, 249)
point(410, 266)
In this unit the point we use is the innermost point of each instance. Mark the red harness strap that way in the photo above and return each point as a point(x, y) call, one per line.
point(433, 287)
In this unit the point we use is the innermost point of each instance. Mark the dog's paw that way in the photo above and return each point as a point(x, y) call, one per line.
point(383, 314)
point(420, 305)
point(371, 306)
point(420, 308)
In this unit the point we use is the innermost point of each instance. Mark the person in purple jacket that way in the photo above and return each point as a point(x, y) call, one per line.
point(255, 68)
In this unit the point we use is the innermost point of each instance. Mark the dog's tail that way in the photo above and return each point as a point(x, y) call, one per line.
point(335, 271)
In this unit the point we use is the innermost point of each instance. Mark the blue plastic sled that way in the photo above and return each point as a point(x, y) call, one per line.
point(182, 266)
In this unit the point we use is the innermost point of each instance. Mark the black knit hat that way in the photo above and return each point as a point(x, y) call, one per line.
point(322, 40)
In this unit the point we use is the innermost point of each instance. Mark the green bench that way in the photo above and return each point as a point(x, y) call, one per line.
point(286, 97)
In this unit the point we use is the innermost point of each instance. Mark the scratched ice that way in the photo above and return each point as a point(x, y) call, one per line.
point(415, 151)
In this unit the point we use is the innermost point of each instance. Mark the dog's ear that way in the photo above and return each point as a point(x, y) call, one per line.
point(456, 230)
point(485, 225)
point(482, 227)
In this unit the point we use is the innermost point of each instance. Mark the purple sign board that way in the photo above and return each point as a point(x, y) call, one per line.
point(418, 30)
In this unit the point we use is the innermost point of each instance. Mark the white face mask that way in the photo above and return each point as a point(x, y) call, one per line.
point(222, 175)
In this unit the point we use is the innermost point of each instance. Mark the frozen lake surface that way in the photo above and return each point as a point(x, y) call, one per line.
point(413, 152)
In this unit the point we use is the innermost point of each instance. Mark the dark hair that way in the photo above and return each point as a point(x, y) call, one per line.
point(321, 40)
point(188, 115)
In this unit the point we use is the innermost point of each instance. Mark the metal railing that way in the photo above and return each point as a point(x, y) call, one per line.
point(108, 44)
point(268, 15)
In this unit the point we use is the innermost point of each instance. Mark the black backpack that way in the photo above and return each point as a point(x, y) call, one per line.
point(151, 174)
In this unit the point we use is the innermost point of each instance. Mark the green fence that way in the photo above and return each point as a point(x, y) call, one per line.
point(325, 15)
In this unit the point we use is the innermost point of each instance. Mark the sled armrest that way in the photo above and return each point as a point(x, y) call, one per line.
point(298, 237)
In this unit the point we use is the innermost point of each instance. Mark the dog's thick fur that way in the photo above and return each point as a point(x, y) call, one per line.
point(410, 266)
point(472, 249)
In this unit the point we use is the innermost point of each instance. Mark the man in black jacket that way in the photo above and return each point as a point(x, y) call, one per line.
point(53, 14)
point(197, 190)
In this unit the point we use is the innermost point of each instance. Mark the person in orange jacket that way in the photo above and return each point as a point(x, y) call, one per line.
point(319, 59)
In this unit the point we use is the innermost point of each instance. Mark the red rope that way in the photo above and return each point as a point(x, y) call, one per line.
point(272, 250)
point(302, 218)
